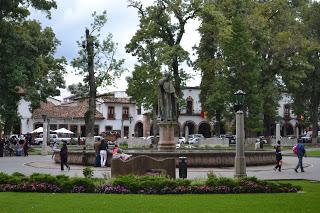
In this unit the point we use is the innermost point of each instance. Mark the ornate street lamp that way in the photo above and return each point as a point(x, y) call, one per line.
point(240, 97)
point(240, 161)
point(44, 150)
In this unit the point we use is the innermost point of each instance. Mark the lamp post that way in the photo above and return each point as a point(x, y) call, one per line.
point(122, 135)
point(240, 161)
point(44, 150)
point(130, 120)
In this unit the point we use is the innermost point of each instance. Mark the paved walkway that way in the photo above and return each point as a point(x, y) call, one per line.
point(44, 164)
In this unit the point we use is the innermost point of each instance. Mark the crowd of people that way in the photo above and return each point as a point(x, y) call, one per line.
point(14, 146)
point(102, 151)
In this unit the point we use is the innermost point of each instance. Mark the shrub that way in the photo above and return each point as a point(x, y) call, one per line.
point(85, 184)
point(148, 184)
point(87, 172)
point(43, 178)
point(211, 174)
point(4, 178)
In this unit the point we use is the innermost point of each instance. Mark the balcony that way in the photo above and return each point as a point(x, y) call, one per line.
point(111, 116)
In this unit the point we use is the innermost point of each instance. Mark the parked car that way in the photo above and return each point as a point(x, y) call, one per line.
point(193, 140)
point(262, 139)
point(181, 140)
point(291, 137)
point(39, 140)
point(232, 139)
point(196, 136)
point(305, 139)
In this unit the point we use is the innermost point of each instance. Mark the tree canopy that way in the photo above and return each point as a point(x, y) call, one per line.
point(27, 58)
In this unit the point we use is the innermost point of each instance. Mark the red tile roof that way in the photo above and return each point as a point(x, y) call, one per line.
point(117, 100)
point(74, 110)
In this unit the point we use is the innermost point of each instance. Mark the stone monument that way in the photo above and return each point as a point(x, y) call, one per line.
point(167, 114)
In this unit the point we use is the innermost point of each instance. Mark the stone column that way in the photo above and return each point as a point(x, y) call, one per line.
point(297, 132)
point(277, 132)
point(44, 150)
point(79, 130)
point(146, 125)
point(240, 161)
point(186, 134)
point(166, 133)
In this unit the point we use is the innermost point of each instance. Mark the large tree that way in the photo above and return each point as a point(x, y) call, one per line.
point(255, 39)
point(27, 59)
point(162, 25)
point(96, 61)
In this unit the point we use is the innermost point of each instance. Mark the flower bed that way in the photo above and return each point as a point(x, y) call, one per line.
point(130, 184)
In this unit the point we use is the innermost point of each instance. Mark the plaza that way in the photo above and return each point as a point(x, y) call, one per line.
point(45, 164)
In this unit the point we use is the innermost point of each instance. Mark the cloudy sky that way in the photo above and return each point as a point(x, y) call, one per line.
point(72, 16)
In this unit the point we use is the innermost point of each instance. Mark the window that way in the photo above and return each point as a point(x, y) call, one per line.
point(139, 111)
point(189, 105)
point(108, 128)
point(125, 113)
point(111, 113)
point(287, 110)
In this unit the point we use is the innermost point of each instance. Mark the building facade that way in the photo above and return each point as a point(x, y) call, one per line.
point(117, 112)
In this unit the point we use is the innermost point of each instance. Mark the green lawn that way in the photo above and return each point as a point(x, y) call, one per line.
point(307, 201)
point(313, 153)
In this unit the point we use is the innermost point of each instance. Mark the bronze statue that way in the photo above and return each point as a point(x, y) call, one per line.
point(167, 105)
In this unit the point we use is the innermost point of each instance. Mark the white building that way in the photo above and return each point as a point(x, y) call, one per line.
point(117, 112)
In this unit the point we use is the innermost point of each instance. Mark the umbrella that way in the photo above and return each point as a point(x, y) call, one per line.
point(38, 130)
point(63, 130)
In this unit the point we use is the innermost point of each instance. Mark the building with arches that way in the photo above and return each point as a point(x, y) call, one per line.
point(117, 112)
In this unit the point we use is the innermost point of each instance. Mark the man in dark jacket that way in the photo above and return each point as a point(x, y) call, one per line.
point(1, 147)
point(301, 152)
point(64, 157)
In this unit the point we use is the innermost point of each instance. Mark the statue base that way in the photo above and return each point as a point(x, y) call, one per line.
point(166, 134)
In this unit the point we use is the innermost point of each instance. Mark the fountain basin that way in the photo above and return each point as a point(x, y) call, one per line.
point(195, 158)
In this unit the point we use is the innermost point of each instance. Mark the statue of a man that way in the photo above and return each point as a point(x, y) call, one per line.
point(167, 100)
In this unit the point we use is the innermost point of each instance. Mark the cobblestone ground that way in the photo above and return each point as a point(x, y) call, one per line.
point(44, 164)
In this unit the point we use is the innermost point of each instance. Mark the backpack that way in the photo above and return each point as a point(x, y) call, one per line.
point(295, 149)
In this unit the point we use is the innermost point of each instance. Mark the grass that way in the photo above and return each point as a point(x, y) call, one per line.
point(313, 153)
point(307, 201)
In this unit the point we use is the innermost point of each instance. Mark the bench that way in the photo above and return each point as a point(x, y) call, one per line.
point(143, 165)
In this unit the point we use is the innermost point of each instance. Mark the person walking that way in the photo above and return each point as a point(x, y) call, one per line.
point(103, 152)
point(278, 157)
point(64, 157)
point(301, 152)
point(25, 148)
point(96, 147)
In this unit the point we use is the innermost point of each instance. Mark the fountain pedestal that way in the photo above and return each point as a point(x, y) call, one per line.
point(166, 133)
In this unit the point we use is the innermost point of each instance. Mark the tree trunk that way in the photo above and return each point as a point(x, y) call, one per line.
point(267, 121)
point(90, 114)
point(155, 120)
point(314, 117)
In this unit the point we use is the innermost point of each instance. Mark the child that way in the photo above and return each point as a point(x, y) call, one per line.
point(278, 156)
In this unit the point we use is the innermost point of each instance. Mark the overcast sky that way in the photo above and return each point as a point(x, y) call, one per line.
point(72, 16)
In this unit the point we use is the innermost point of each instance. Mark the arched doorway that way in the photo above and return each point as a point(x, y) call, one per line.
point(287, 129)
point(205, 129)
point(191, 127)
point(138, 129)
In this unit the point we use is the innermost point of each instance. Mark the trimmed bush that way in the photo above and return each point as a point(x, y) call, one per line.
point(44, 178)
point(18, 182)
point(87, 172)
